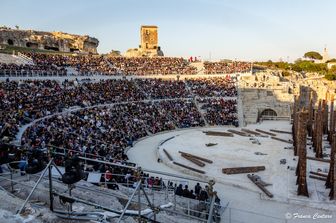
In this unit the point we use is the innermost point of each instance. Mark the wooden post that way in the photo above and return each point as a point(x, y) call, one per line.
point(331, 166)
point(319, 132)
point(302, 163)
point(332, 193)
point(331, 120)
point(330, 183)
point(294, 125)
point(310, 117)
point(325, 116)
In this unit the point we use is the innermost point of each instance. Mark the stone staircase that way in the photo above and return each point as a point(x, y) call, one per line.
point(201, 111)
point(240, 108)
point(71, 71)
point(9, 58)
point(113, 66)
point(199, 66)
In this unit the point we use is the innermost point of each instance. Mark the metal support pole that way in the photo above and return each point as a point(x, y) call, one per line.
point(213, 195)
point(35, 186)
point(11, 177)
point(230, 215)
point(174, 201)
point(139, 201)
point(70, 204)
point(51, 196)
point(129, 201)
point(58, 170)
point(212, 205)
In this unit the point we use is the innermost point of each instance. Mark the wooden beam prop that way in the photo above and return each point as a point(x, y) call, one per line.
point(168, 155)
point(251, 132)
point(265, 132)
point(211, 144)
point(282, 140)
point(331, 120)
point(318, 174)
point(197, 157)
point(317, 177)
point(310, 116)
point(257, 182)
point(301, 170)
point(193, 160)
point(280, 131)
point(332, 193)
point(318, 132)
point(189, 168)
point(215, 133)
point(238, 132)
point(294, 125)
point(330, 182)
point(295, 133)
point(239, 170)
point(325, 116)
point(318, 159)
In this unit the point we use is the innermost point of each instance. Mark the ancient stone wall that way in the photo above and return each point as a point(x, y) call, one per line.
point(262, 93)
point(57, 41)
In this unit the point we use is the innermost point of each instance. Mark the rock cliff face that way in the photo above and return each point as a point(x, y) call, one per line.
point(57, 41)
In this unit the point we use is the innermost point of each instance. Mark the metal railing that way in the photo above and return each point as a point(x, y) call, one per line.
point(143, 195)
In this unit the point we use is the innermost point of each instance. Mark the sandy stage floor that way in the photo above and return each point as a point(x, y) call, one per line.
point(238, 190)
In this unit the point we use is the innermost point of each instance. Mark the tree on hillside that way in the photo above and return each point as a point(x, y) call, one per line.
point(331, 61)
point(313, 55)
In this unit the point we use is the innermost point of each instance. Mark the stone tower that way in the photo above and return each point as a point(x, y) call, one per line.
point(325, 56)
point(149, 44)
point(149, 38)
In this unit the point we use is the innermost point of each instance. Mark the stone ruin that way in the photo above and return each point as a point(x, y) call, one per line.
point(57, 41)
point(149, 45)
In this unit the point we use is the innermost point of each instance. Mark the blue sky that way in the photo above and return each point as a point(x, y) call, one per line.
point(233, 29)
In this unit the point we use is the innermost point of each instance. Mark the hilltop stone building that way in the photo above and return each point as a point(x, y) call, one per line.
point(149, 44)
point(57, 41)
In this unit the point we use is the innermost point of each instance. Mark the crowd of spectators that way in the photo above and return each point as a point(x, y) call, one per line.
point(106, 131)
point(220, 111)
point(213, 87)
point(226, 67)
point(24, 101)
point(163, 89)
point(184, 113)
point(30, 70)
point(56, 64)
point(98, 64)
point(198, 193)
point(152, 66)
point(128, 110)
point(83, 64)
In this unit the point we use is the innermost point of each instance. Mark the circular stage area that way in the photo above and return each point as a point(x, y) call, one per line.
point(233, 152)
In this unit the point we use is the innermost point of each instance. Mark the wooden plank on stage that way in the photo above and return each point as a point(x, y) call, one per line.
point(168, 155)
point(261, 186)
point(318, 178)
point(280, 131)
point(193, 160)
point(318, 159)
point(251, 132)
point(189, 168)
point(197, 157)
point(239, 170)
point(319, 174)
point(265, 132)
point(282, 140)
point(215, 133)
point(238, 132)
